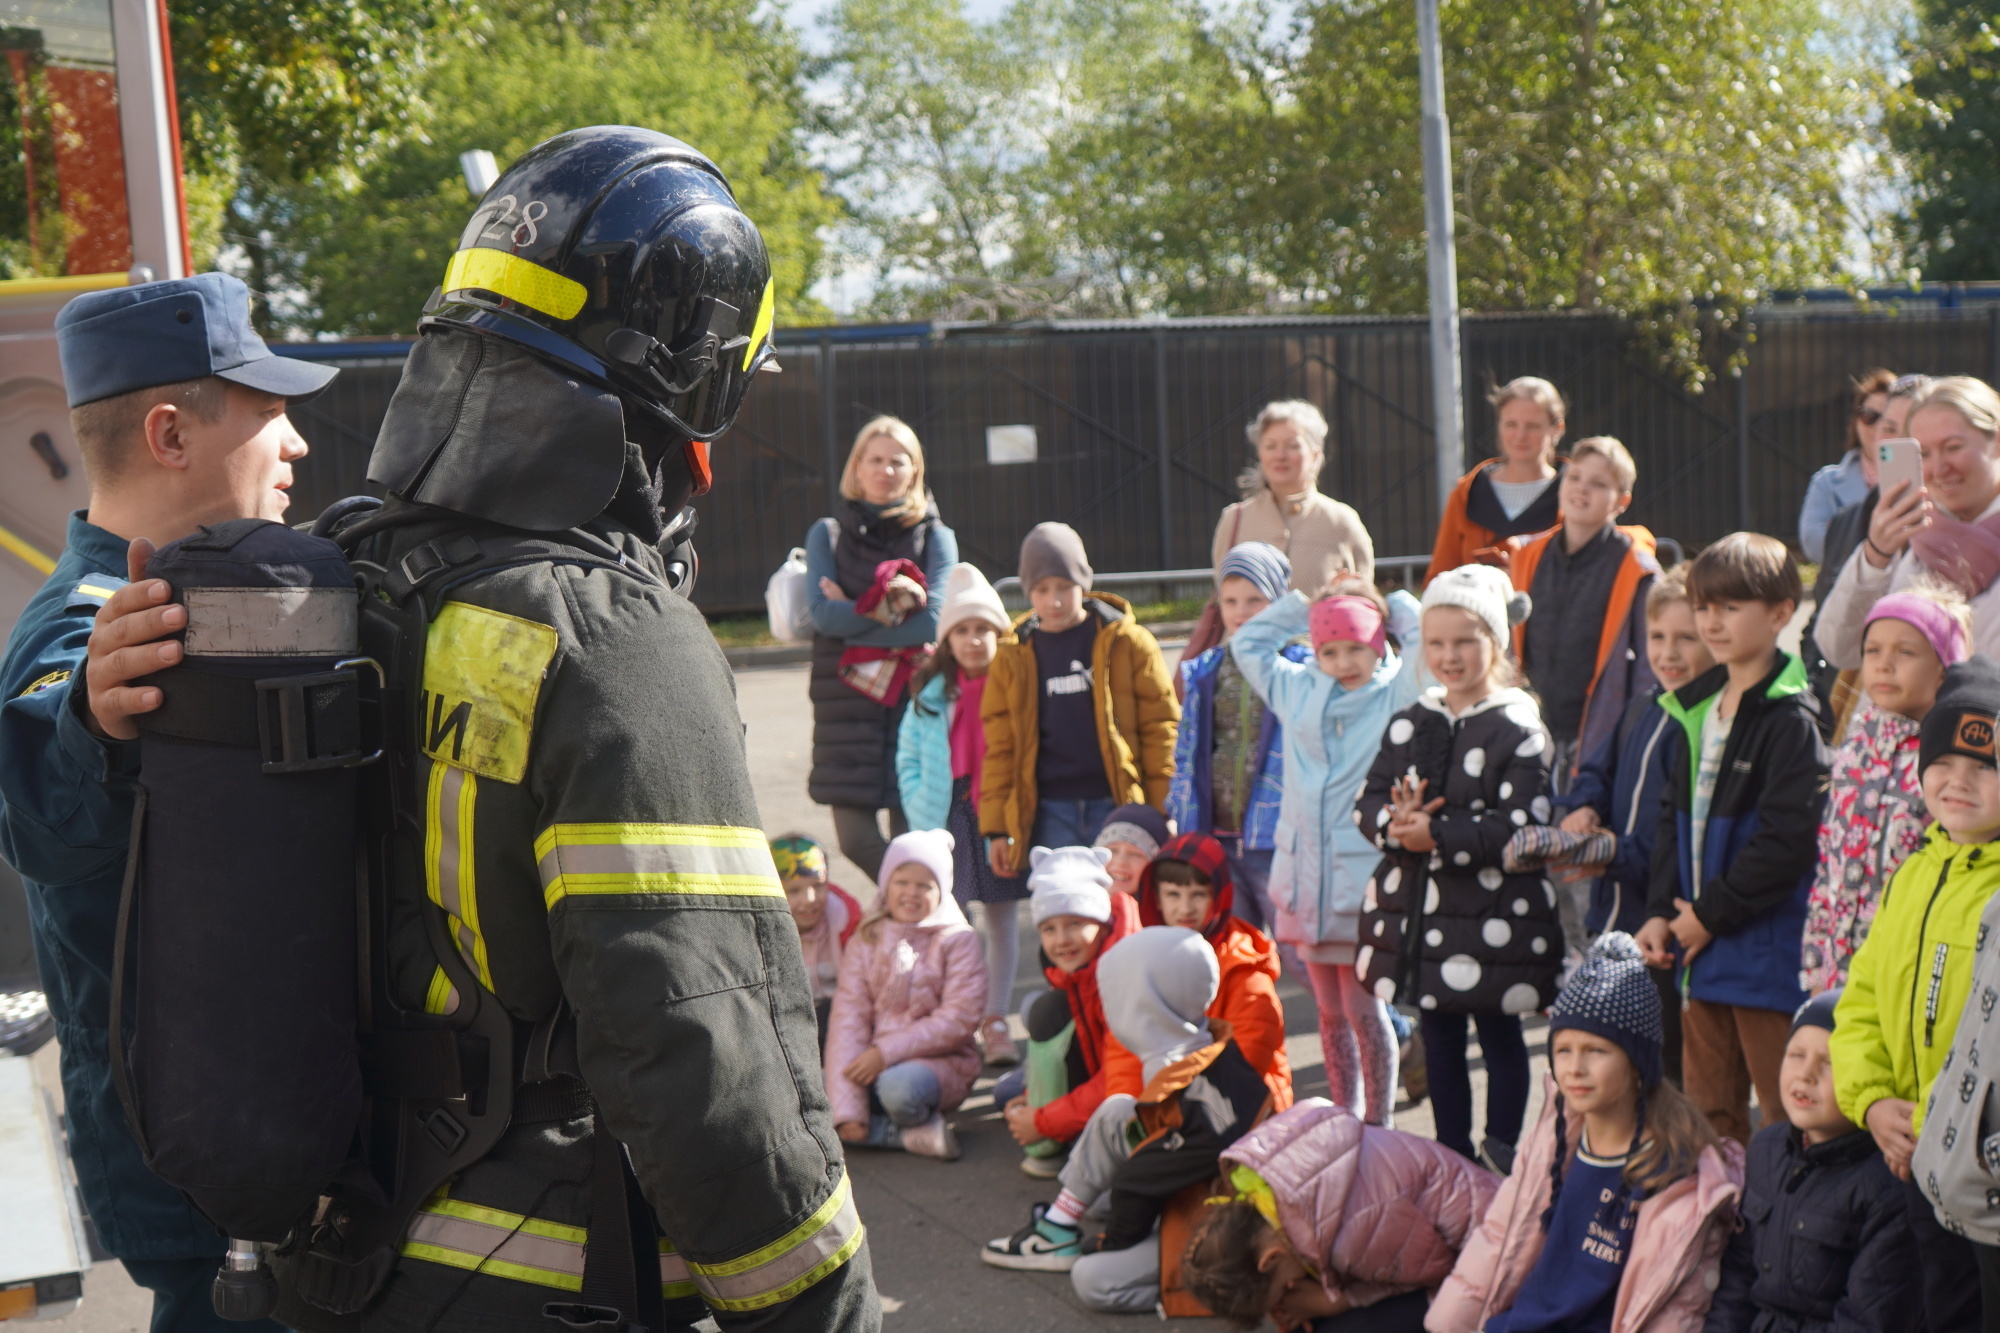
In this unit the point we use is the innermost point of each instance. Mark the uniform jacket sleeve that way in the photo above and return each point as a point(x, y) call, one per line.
point(1792, 795)
point(850, 1029)
point(946, 1029)
point(65, 809)
point(694, 1016)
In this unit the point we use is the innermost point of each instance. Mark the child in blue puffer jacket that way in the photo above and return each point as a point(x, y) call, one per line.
point(1619, 786)
point(1229, 755)
point(1334, 710)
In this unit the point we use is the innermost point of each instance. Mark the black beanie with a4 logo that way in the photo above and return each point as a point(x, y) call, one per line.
point(1963, 719)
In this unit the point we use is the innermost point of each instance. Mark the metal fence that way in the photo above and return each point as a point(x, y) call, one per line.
point(1139, 427)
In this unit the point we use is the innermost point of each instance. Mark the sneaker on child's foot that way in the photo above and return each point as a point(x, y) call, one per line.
point(1043, 1245)
point(1497, 1157)
point(933, 1138)
point(1044, 1168)
point(998, 1043)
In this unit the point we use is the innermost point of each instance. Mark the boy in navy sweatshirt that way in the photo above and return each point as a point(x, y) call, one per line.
point(1739, 829)
point(1619, 786)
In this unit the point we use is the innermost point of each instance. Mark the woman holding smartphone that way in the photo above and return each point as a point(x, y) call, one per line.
point(1947, 528)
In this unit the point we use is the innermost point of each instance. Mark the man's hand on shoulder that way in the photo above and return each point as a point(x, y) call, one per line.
point(126, 644)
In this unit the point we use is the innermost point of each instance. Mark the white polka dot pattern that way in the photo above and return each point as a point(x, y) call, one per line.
point(1401, 730)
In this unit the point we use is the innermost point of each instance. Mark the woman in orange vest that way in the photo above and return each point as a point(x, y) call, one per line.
point(1514, 494)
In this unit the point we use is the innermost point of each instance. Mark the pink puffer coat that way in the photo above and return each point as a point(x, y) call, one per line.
point(918, 993)
point(1676, 1253)
point(1380, 1212)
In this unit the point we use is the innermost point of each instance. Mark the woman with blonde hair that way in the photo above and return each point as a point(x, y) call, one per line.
point(1283, 505)
point(1515, 493)
point(870, 620)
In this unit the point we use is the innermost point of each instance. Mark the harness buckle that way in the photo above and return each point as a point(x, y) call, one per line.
point(313, 722)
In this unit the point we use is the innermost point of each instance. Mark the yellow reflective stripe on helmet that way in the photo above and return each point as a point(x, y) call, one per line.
point(450, 869)
point(497, 1243)
point(787, 1266)
point(515, 278)
point(767, 310)
point(654, 859)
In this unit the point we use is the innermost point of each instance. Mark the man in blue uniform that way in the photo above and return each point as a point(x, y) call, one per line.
point(179, 412)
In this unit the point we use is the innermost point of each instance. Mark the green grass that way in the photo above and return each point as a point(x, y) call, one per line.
point(1182, 608)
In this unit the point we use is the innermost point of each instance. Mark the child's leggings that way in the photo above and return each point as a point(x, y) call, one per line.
point(1445, 1060)
point(1358, 1042)
point(1002, 925)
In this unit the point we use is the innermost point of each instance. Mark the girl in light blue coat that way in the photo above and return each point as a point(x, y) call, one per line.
point(1334, 710)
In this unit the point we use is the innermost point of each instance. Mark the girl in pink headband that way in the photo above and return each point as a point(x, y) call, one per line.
point(1349, 637)
point(1875, 815)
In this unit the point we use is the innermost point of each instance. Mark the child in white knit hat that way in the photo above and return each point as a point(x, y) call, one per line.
point(939, 751)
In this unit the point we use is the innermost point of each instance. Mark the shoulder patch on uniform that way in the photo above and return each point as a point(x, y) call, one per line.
point(49, 681)
point(93, 591)
point(483, 672)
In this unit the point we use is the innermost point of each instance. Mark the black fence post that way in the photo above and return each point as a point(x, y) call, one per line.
point(1743, 440)
point(1166, 463)
point(1993, 345)
point(829, 423)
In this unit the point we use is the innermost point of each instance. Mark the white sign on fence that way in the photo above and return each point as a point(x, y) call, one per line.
point(1010, 444)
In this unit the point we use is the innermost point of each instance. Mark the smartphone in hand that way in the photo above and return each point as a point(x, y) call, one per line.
point(1898, 460)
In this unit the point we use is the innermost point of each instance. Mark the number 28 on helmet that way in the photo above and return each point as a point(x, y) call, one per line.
point(620, 254)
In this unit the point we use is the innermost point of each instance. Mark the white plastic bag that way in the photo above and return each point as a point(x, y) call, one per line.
point(785, 600)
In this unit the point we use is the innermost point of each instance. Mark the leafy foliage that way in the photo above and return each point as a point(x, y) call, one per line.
point(367, 251)
point(1946, 121)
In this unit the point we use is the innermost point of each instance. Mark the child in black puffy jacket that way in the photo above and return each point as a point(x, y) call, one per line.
point(1823, 1243)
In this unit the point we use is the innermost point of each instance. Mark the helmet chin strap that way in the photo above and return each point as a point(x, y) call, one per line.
point(658, 479)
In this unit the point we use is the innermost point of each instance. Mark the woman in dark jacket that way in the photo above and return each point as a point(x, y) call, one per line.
point(886, 515)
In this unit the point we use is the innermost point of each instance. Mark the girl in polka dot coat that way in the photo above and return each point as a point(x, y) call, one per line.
point(1444, 926)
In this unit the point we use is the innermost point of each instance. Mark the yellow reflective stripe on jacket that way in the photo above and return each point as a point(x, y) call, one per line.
point(787, 1266)
point(449, 863)
point(654, 859)
point(442, 997)
point(497, 1243)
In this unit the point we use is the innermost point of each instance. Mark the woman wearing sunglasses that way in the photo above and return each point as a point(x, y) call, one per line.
point(1838, 485)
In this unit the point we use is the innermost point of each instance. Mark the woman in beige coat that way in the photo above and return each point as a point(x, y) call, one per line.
point(1282, 503)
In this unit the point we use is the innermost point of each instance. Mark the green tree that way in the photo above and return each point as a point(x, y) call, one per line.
point(1946, 121)
point(366, 252)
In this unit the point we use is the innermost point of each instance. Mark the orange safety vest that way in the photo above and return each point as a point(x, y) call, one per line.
point(1631, 572)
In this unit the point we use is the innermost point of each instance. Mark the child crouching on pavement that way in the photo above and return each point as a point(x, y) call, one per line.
point(1621, 1201)
point(1825, 1242)
point(1334, 1225)
point(1189, 885)
point(1063, 1078)
point(1911, 979)
point(1137, 1153)
point(900, 1048)
point(825, 914)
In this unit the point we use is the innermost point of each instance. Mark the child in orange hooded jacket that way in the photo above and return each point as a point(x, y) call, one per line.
point(1188, 885)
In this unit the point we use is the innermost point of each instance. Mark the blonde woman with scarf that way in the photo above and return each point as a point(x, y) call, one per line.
point(1949, 529)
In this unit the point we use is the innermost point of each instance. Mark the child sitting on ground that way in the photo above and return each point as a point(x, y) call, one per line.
point(1334, 709)
point(1137, 1153)
point(1133, 834)
point(1048, 1099)
point(1910, 980)
point(825, 914)
point(1875, 815)
point(1619, 787)
point(939, 751)
point(1447, 927)
point(1080, 713)
point(1734, 861)
point(1189, 885)
point(1328, 1217)
point(1825, 1242)
point(900, 1048)
point(1616, 1212)
point(1229, 755)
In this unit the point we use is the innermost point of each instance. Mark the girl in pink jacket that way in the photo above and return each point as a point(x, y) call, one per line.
point(1333, 1216)
point(899, 1048)
point(1621, 1201)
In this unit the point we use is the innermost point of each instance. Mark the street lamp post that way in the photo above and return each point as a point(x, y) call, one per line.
point(1447, 390)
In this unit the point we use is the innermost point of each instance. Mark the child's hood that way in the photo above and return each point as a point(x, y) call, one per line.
point(1512, 696)
point(1156, 986)
point(1205, 854)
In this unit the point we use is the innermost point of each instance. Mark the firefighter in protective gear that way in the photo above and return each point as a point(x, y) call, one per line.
point(579, 798)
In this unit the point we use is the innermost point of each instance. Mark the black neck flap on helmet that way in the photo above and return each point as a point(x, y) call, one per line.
point(619, 259)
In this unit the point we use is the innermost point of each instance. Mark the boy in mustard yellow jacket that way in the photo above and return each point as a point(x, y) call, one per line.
point(1079, 712)
point(1909, 981)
